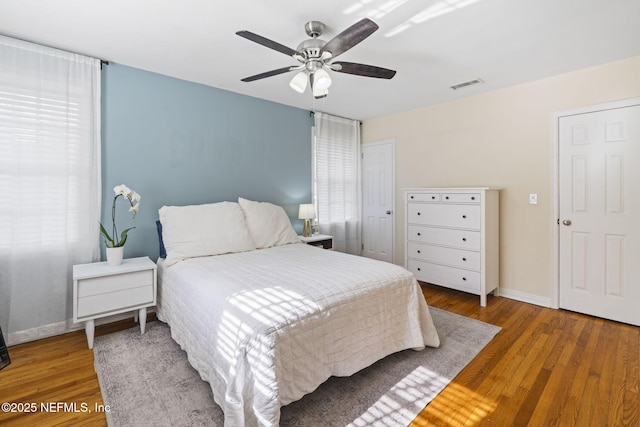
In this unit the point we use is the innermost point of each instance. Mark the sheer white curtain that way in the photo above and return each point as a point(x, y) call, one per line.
point(336, 180)
point(50, 179)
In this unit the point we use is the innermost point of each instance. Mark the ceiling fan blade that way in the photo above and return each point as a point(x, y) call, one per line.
point(268, 43)
point(269, 74)
point(350, 37)
point(363, 70)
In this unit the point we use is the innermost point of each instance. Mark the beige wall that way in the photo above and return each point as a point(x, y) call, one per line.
point(500, 139)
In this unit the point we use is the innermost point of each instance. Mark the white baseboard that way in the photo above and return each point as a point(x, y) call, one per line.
point(53, 329)
point(524, 297)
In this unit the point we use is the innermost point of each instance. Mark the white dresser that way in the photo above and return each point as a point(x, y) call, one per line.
point(451, 238)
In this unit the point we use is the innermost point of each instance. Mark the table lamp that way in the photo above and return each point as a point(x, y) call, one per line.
point(307, 212)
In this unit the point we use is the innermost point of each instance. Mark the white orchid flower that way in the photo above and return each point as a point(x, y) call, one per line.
point(115, 239)
point(134, 196)
point(122, 190)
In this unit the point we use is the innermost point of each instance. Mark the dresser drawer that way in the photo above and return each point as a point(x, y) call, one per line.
point(463, 280)
point(442, 215)
point(423, 197)
point(441, 255)
point(118, 300)
point(113, 283)
point(462, 239)
point(461, 197)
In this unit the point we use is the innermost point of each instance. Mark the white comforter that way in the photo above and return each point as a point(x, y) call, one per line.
point(268, 326)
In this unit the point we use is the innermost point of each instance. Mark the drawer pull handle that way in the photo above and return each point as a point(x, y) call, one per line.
point(418, 213)
point(419, 269)
point(433, 197)
point(464, 259)
point(418, 250)
point(464, 216)
point(473, 198)
point(464, 239)
point(419, 234)
point(411, 197)
point(446, 197)
point(464, 278)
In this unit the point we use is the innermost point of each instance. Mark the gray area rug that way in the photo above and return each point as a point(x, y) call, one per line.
point(147, 381)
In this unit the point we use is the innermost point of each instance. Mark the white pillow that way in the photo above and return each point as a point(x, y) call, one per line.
point(268, 224)
point(202, 230)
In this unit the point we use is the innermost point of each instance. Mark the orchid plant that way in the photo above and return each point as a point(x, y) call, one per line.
point(134, 201)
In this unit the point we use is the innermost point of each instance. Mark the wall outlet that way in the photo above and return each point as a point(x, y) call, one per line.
point(533, 199)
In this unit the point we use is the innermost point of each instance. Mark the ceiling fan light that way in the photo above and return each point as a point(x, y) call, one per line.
point(319, 93)
point(321, 79)
point(299, 82)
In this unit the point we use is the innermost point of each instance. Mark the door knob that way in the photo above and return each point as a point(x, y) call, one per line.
point(566, 222)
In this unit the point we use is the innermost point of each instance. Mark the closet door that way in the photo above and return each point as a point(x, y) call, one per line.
point(599, 206)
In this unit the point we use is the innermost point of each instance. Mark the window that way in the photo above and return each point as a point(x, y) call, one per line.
point(336, 180)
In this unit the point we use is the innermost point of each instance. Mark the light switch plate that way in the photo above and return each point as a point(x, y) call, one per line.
point(533, 199)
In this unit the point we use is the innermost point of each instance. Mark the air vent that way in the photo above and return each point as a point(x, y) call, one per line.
point(467, 84)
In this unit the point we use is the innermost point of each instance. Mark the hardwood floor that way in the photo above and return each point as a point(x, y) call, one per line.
point(51, 372)
point(545, 368)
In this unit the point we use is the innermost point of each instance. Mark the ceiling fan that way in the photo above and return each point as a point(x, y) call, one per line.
point(315, 57)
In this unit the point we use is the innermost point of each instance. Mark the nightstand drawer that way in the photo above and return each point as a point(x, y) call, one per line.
point(117, 282)
point(117, 300)
point(319, 240)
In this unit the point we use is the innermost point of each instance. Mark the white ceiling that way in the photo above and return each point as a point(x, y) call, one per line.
point(440, 42)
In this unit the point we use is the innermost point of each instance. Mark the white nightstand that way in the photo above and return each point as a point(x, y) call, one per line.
point(101, 290)
point(320, 240)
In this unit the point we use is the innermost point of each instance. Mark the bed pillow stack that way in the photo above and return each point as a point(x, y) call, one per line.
point(222, 228)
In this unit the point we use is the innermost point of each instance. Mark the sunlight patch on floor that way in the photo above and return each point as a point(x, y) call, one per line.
point(409, 396)
point(457, 405)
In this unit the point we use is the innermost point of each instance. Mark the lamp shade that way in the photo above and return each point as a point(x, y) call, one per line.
point(321, 79)
point(299, 82)
point(320, 93)
point(307, 211)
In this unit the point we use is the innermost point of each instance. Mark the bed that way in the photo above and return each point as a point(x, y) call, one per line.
point(272, 319)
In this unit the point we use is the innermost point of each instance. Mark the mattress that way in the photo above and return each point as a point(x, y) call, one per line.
point(268, 326)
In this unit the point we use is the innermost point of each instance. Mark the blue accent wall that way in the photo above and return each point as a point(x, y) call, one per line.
point(178, 143)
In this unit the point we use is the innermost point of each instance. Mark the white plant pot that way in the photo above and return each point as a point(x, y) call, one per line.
point(114, 255)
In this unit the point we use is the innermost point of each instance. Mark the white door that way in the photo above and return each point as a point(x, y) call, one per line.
point(599, 209)
point(378, 200)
